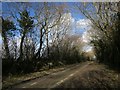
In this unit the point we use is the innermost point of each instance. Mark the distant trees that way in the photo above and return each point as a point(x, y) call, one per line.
point(67, 52)
point(105, 34)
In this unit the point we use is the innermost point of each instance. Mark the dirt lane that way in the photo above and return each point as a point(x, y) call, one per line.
point(54, 79)
point(93, 76)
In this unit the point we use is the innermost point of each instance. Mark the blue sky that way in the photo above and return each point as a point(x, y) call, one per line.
point(74, 13)
point(77, 15)
point(61, 0)
point(80, 23)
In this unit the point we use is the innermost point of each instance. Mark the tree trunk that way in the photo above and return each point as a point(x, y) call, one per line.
point(41, 42)
point(5, 41)
point(21, 45)
point(47, 45)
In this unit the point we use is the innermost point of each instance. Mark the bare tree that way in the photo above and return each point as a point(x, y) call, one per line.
point(103, 16)
point(47, 17)
point(7, 25)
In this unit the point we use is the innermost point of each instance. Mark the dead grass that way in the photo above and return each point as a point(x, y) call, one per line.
point(16, 79)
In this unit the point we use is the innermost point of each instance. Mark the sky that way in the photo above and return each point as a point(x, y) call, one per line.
point(79, 23)
point(61, 0)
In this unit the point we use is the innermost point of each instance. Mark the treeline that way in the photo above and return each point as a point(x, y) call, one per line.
point(105, 32)
point(36, 35)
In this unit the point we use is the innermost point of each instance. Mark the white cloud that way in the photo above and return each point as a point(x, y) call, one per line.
point(68, 18)
point(83, 24)
point(87, 48)
point(0, 42)
point(67, 21)
point(86, 37)
point(77, 26)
